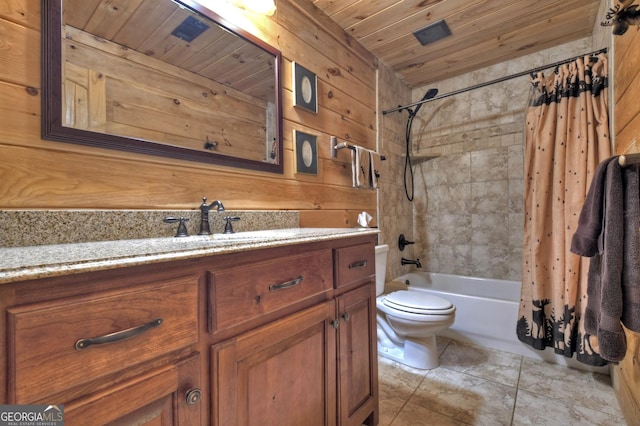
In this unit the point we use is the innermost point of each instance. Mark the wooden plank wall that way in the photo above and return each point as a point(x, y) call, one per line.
point(38, 174)
point(626, 375)
point(100, 70)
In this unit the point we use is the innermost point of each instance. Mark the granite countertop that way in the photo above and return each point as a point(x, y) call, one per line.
point(24, 263)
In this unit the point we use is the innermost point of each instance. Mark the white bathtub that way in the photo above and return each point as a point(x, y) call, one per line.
point(486, 313)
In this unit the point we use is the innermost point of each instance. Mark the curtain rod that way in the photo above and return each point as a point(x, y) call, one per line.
point(499, 80)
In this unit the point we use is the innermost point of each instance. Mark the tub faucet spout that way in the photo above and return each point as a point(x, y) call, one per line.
point(416, 262)
point(204, 215)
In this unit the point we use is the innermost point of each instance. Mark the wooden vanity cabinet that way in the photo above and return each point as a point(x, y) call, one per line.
point(277, 336)
point(317, 366)
point(114, 347)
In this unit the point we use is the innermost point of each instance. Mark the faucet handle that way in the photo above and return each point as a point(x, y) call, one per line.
point(182, 227)
point(228, 227)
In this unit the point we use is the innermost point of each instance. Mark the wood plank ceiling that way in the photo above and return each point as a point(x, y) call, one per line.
point(147, 26)
point(484, 32)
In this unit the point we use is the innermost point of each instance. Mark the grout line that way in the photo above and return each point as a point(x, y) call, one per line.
point(515, 397)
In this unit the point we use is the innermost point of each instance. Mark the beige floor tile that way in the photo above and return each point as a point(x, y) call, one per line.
point(476, 386)
point(442, 344)
point(389, 409)
point(501, 367)
point(466, 398)
point(569, 385)
point(396, 384)
point(398, 380)
point(415, 415)
point(539, 410)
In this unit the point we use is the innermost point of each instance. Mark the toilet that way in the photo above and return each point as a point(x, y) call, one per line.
point(409, 320)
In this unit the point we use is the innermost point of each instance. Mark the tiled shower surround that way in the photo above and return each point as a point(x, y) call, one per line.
point(468, 206)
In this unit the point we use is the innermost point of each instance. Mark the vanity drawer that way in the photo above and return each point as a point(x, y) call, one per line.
point(245, 292)
point(49, 354)
point(354, 263)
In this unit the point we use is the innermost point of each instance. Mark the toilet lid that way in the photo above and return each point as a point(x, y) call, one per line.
point(418, 302)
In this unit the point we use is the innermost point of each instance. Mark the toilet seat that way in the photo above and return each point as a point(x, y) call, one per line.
point(416, 302)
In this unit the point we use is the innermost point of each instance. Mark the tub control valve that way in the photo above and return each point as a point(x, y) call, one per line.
point(403, 242)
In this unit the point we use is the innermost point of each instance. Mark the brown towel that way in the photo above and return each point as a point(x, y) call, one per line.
point(585, 240)
point(614, 271)
point(631, 259)
point(604, 305)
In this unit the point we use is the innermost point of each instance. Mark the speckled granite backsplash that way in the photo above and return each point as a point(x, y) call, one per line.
point(20, 228)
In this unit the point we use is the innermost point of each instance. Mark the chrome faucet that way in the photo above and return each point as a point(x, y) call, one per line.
point(416, 262)
point(204, 215)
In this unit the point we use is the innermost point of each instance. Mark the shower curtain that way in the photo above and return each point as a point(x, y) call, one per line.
point(566, 136)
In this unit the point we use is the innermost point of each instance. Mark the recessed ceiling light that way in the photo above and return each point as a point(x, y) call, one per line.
point(433, 32)
point(189, 29)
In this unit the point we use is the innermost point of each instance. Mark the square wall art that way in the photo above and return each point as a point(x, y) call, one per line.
point(306, 153)
point(305, 88)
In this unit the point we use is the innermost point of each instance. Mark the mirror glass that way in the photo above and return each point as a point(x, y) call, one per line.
point(161, 78)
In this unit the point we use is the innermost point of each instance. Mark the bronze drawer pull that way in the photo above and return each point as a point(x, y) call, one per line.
point(286, 284)
point(118, 335)
point(359, 264)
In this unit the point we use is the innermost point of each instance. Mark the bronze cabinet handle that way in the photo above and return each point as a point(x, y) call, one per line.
point(117, 336)
point(286, 284)
point(358, 264)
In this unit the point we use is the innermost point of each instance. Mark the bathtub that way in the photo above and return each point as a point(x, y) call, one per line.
point(486, 313)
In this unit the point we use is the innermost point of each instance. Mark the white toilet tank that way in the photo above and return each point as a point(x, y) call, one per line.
point(381, 267)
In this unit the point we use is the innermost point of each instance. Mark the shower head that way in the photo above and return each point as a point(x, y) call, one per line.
point(431, 93)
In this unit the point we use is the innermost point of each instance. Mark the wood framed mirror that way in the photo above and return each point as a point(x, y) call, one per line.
point(160, 77)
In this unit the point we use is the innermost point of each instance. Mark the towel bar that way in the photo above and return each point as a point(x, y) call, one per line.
point(629, 159)
point(335, 146)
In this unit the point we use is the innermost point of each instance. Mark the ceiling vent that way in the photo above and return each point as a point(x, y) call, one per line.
point(189, 29)
point(433, 32)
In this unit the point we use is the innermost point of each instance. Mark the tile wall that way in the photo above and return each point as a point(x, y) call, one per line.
point(468, 208)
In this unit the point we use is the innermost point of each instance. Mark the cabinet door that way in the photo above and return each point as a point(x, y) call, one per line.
point(357, 357)
point(167, 395)
point(281, 374)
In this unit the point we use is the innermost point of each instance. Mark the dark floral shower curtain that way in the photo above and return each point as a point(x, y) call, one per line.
point(567, 135)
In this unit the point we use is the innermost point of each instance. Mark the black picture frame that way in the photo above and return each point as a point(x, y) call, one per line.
point(305, 88)
point(306, 153)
